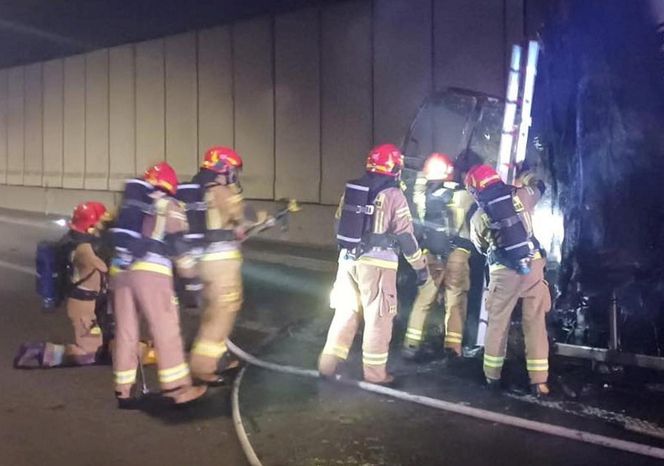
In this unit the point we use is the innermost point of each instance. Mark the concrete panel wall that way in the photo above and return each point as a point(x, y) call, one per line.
point(346, 118)
point(181, 105)
point(53, 102)
point(34, 148)
point(96, 120)
point(15, 126)
point(74, 122)
point(297, 110)
point(150, 104)
point(3, 126)
point(215, 89)
point(301, 96)
point(402, 64)
point(470, 46)
point(254, 104)
point(122, 116)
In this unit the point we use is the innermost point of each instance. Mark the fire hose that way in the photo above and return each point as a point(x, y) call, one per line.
point(477, 413)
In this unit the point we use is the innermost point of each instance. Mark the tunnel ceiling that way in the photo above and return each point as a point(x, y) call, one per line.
point(36, 30)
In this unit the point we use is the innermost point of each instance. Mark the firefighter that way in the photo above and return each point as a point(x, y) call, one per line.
point(500, 228)
point(143, 285)
point(374, 224)
point(227, 219)
point(443, 206)
point(86, 289)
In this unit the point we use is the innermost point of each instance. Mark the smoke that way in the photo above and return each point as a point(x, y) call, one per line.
point(601, 120)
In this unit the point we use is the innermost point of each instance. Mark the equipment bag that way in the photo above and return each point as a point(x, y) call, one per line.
point(513, 245)
point(54, 270)
point(51, 273)
point(127, 232)
point(193, 197)
point(356, 214)
point(437, 227)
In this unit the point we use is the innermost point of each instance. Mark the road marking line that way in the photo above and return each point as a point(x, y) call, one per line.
point(18, 268)
point(43, 224)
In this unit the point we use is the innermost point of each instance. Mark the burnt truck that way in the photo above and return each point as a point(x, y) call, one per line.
point(603, 310)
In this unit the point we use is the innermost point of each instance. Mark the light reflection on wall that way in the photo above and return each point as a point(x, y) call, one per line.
point(549, 228)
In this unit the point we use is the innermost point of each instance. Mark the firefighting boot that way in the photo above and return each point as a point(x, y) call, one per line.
point(540, 390)
point(493, 385)
point(388, 381)
point(227, 363)
point(411, 353)
point(185, 395)
point(30, 355)
point(129, 403)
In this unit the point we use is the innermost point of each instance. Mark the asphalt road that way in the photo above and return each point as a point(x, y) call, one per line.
point(68, 416)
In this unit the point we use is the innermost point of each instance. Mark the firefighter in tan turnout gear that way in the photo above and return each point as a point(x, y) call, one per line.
point(142, 284)
point(86, 288)
point(223, 226)
point(442, 206)
point(374, 224)
point(502, 230)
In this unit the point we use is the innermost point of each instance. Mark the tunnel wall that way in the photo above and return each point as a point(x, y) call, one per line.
point(302, 96)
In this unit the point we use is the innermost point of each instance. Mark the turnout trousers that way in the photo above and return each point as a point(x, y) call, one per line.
point(222, 294)
point(87, 337)
point(147, 293)
point(506, 287)
point(362, 291)
point(453, 276)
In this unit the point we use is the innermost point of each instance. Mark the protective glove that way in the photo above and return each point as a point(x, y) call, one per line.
point(422, 276)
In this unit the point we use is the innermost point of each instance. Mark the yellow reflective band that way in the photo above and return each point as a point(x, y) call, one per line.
point(453, 334)
point(404, 212)
point(151, 267)
point(451, 339)
point(222, 255)
point(415, 257)
point(413, 331)
point(538, 368)
point(125, 377)
point(96, 330)
point(493, 358)
point(494, 365)
point(235, 199)
point(230, 297)
point(177, 215)
point(337, 350)
point(115, 270)
point(379, 228)
point(209, 349)
point(174, 373)
point(385, 264)
point(186, 262)
point(493, 361)
point(374, 359)
point(412, 337)
point(463, 250)
point(537, 364)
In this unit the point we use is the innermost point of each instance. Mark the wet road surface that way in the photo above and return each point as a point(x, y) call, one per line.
point(68, 416)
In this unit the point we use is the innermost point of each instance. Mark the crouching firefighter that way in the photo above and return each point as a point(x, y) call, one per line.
point(220, 224)
point(71, 269)
point(374, 224)
point(147, 237)
point(443, 207)
point(502, 230)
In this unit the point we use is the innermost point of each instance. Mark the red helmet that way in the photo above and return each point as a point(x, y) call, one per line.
point(162, 176)
point(480, 177)
point(86, 215)
point(438, 167)
point(385, 159)
point(222, 160)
